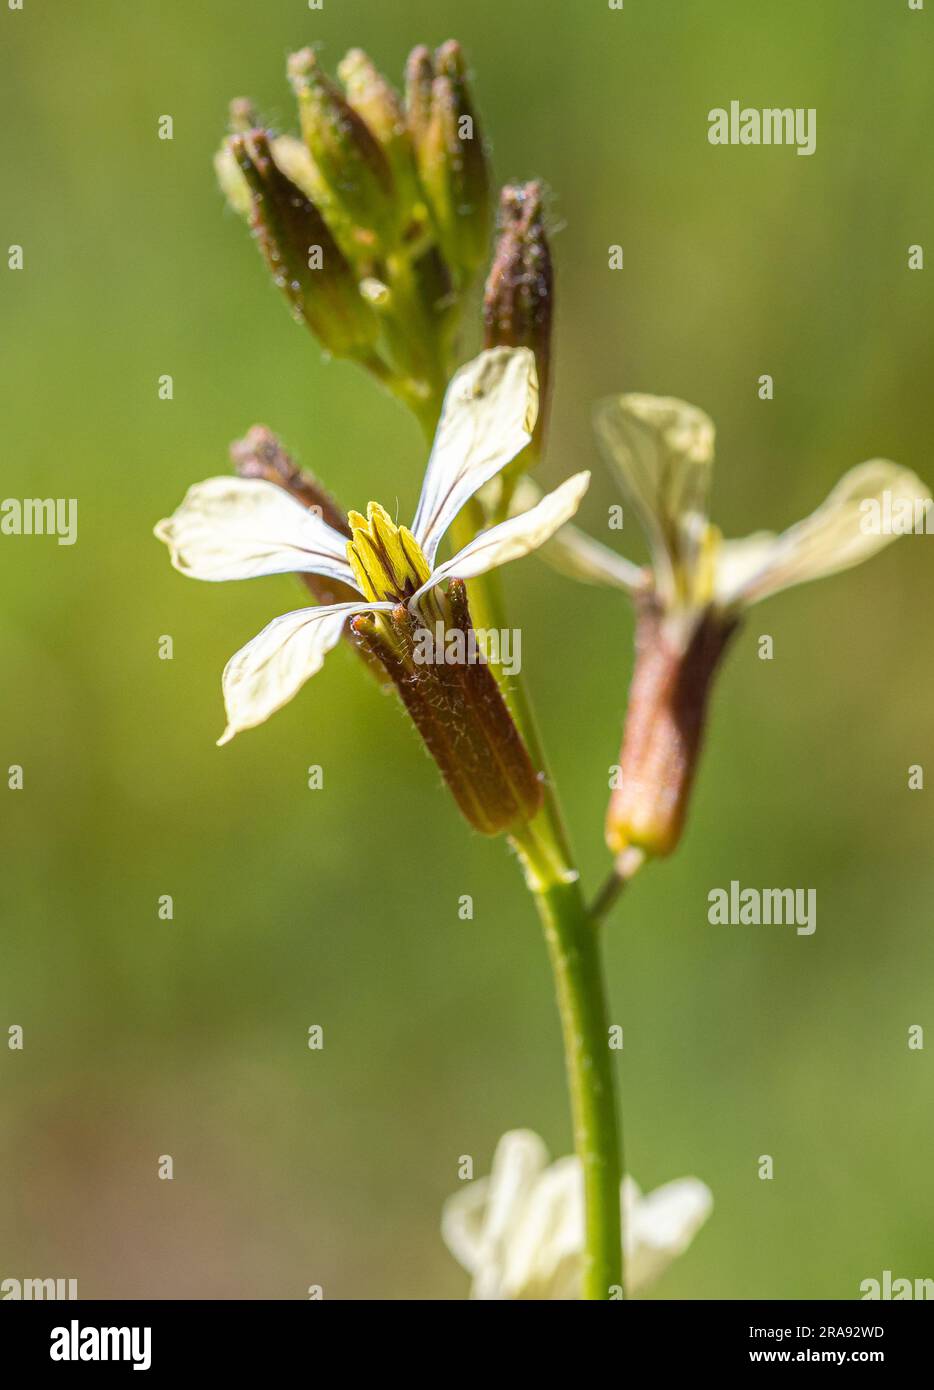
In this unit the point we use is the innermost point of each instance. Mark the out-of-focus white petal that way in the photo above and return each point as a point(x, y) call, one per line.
point(513, 538)
point(264, 675)
point(520, 1158)
point(462, 1223)
point(489, 412)
point(479, 1222)
point(737, 561)
point(573, 553)
point(661, 449)
point(543, 1257)
point(241, 528)
point(661, 1226)
point(521, 1232)
point(838, 535)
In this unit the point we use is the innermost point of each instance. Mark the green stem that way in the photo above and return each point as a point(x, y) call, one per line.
point(574, 950)
point(573, 941)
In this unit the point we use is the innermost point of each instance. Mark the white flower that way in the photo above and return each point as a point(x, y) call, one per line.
point(520, 1232)
point(238, 528)
point(661, 450)
point(691, 599)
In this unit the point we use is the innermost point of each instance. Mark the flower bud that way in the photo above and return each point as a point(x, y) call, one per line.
point(352, 164)
point(664, 730)
point(378, 104)
point(519, 299)
point(451, 160)
point(301, 253)
point(419, 75)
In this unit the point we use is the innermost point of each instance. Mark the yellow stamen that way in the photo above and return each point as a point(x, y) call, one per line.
point(386, 559)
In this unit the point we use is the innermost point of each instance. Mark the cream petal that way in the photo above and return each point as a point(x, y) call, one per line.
point(661, 449)
point(543, 1259)
point(833, 538)
point(521, 1232)
point(265, 674)
point(520, 1157)
point(489, 412)
point(573, 553)
point(462, 1223)
point(512, 539)
point(241, 528)
point(661, 1226)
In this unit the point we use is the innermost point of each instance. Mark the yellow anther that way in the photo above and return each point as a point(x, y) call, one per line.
point(386, 559)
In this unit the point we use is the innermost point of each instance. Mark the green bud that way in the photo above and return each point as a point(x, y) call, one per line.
point(241, 119)
point(378, 104)
point(452, 163)
point(353, 166)
point(419, 75)
point(519, 300)
point(304, 258)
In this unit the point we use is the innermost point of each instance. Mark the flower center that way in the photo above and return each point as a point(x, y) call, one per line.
point(386, 559)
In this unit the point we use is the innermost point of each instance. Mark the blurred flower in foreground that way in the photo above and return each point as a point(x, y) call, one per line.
point(240, 528)
point(375, 222)
point(692, 598)
point(520, 1232)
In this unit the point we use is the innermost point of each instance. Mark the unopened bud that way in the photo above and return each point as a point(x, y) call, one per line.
point(519, 301)
point(451, 159)
point(379, 105)
point(352, 164)
point(663, 732)
point(242, 116)
point(419, 75)
point(297, 245)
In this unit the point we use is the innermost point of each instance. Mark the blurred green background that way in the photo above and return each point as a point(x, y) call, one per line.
point(339, 906)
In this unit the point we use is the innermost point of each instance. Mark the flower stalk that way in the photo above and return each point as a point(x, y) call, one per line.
point(374, 226)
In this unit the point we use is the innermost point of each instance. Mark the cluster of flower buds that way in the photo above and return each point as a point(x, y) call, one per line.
point(375, 222)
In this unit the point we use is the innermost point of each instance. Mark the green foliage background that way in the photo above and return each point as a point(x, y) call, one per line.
point(339, 906)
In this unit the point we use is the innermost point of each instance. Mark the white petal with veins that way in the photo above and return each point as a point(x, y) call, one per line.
point(488, 416)
point(573, 553)
point(241, 528)
point(661, 449)
point(264, 675)
point(832, 538)
point(512, 539)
